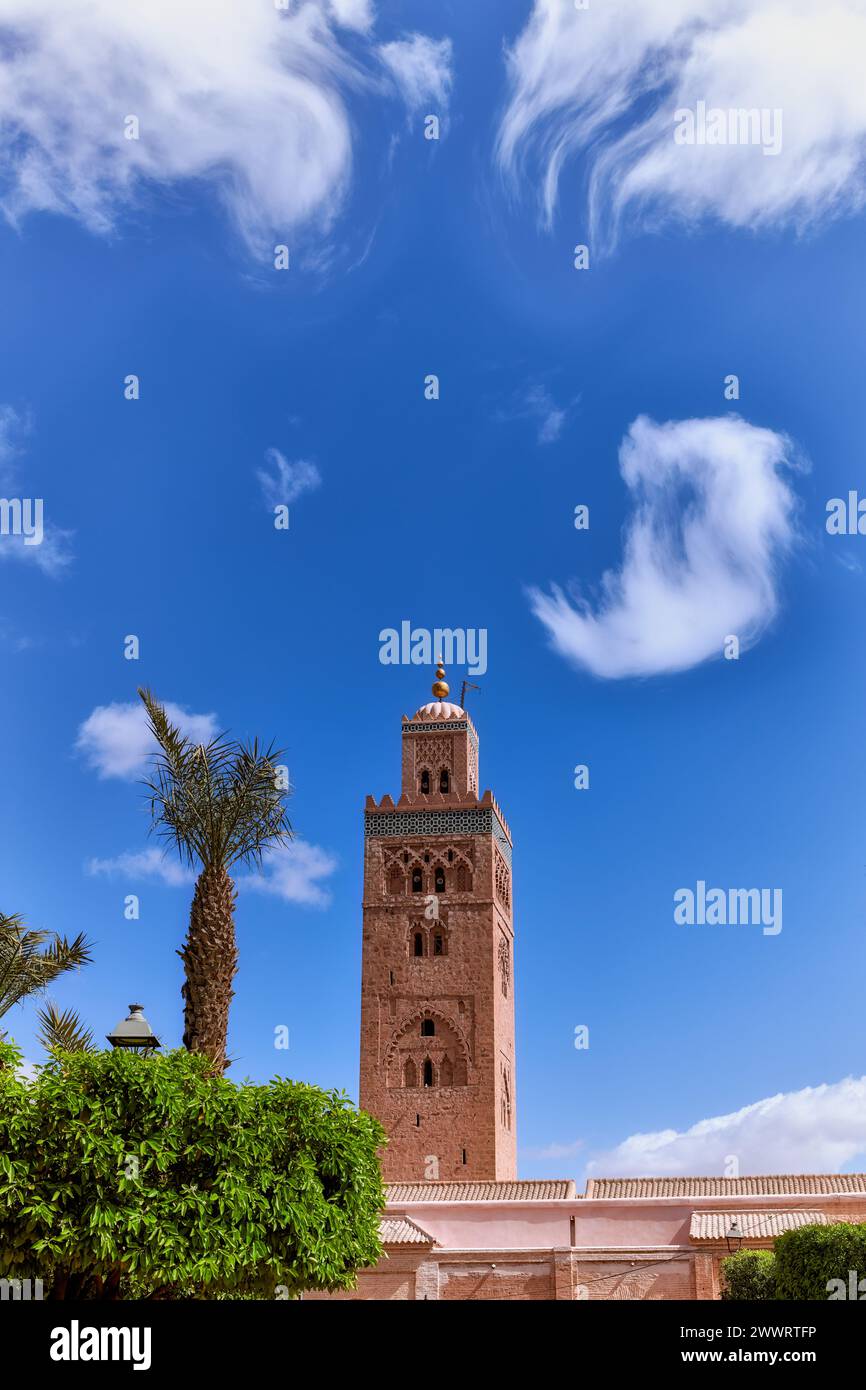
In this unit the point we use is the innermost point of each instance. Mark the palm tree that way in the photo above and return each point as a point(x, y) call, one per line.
point(31, 960)
point(63, 1030)
point(220, 804)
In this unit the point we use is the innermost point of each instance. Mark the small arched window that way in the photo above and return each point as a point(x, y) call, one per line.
point(418, 944)
point(438, 944)
point(444, 780)
point(464, 879)
point(428, 1072)
point(440, 880)
point(410, 1073)
point(428, 1028)
point(425, 781)
point(417, 881)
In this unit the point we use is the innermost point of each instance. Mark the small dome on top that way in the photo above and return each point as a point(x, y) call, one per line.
point(439, 709)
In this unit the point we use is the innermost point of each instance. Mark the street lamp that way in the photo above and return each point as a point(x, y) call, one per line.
point(734, 1236)
point(134, 1032)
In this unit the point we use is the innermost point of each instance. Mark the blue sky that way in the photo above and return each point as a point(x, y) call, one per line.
point(410, 257)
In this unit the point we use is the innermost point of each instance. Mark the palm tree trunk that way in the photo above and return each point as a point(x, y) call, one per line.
point(210, 961)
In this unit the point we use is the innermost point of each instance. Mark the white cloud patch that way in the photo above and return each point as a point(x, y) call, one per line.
point(606, 81)
point(353, 14)
point(821, 1129)
point(285, 482)
point(554, 1151)
point(537, 404)
point(294, 873)
point(51, 555)
point(712, 518)
point(25, 532)
point(249, 97)
point(10, 424)
point(148, 863)
point(422, 69)
point(116, 742)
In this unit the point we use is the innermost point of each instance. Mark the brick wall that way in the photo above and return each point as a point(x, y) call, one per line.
point(520, 1276)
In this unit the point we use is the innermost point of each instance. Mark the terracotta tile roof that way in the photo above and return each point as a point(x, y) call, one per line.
point(766, 1185)
point(399, 1230)
point(523, 1191)
point(757, 1225)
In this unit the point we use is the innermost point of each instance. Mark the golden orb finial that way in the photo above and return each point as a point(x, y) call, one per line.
point(440, 686)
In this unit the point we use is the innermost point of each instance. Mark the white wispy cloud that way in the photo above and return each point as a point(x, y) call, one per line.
point(251, 98)
point(422, 69)
point(51, 552)
point(536, 403)
point(294, 873)
point(821, 1129)
point(353, 14)
point(606, 81)
point(284, 482)
point(712, 518)
point(52, 555)
point(10, 425)
point(554, 1151)
point(115, 739)
point(147, 863)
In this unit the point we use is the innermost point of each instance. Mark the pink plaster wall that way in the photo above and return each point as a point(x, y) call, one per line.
point(598, 1224)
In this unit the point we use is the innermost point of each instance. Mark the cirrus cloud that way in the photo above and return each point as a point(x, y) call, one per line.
point(713, 516)
point(252, 99)
point(606, 81)
point(46, 546)
point(421, 68)
point(286, 481)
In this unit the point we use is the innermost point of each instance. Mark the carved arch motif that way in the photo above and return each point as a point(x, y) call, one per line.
point(446, 1050)
point(504, 954)
point(502, 879)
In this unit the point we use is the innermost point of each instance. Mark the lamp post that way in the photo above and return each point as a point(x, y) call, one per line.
point(733, 1236)
point(134, 1032)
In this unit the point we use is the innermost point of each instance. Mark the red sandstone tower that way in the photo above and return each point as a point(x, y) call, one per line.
point(437, 997)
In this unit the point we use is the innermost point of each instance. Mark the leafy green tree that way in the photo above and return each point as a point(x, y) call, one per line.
point(32, 960)
point(219, 804)
point(130, 1177)
point(749, 1275)
point(820, 1262)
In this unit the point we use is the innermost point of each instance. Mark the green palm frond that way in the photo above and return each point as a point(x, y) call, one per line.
point(220, 802)
point(63, 1030)
point(31, 960)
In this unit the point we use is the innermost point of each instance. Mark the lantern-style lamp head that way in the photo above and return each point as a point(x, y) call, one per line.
point(134, 1032)
point(734, 1236)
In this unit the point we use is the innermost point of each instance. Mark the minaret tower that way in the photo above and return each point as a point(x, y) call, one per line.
point(437, 980)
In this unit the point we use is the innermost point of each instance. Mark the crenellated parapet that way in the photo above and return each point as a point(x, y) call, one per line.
point(438, 814)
